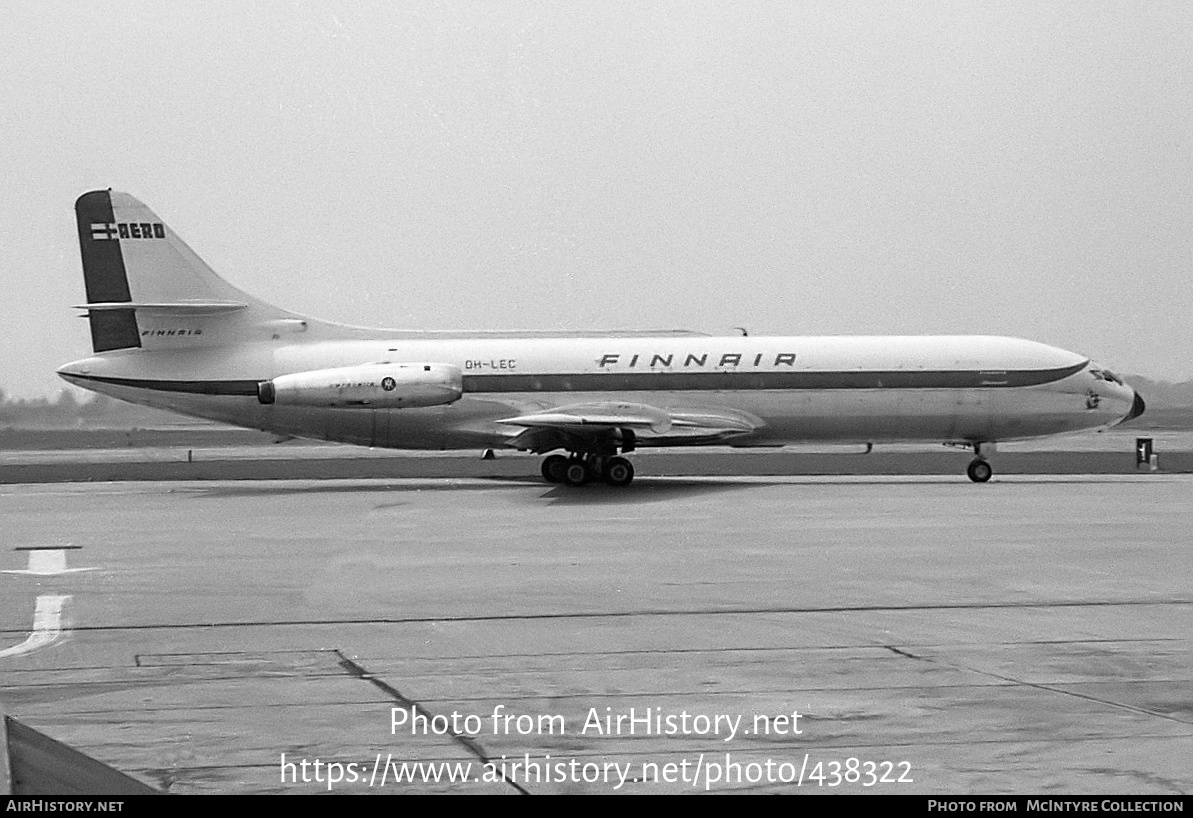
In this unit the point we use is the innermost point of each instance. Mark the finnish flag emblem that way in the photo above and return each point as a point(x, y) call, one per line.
point(103, 232)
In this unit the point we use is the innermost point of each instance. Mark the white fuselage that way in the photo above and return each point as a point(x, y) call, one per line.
point(962, 389)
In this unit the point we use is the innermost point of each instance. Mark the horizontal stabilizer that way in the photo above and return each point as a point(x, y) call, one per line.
point(178, 307)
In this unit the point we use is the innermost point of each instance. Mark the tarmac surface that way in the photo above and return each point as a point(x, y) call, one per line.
point(1029, 635)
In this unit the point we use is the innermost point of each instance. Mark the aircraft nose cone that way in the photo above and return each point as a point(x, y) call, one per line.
point(1137, 408)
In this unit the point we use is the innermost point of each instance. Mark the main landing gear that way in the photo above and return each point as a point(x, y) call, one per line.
point(580, 469)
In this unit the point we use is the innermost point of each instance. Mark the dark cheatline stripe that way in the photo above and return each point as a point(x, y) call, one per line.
point(104, 276)
point(677, 381)
point(189, 387)
point(714, 381)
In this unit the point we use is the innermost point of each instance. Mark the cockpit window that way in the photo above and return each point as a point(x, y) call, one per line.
point(1106, 375)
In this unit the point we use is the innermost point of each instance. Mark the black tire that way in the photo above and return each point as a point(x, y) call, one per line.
point(619, 471)
point(576, 473)
point(553, 468)
point(979, 471)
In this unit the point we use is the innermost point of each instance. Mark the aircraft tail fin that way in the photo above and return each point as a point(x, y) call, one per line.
point(147, 289)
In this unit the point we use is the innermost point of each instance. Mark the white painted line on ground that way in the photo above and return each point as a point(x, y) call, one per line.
point(46, 562)
point(47, 625)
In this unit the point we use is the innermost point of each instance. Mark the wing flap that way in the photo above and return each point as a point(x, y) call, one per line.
point(649, 422)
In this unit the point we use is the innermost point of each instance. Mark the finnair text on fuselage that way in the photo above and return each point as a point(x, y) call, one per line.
point(726, 359)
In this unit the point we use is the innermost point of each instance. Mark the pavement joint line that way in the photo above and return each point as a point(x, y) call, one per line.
point(908, 655)
point(793, 648)
point(469, 743)
point(652, 652)
point(1045, 687)
point(140, 659)
point(420, 620)
point(1087, 697)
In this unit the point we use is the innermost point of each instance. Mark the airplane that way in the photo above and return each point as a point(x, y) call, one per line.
point(168, 332)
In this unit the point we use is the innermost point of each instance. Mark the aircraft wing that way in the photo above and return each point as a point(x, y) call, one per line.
point(556, 427)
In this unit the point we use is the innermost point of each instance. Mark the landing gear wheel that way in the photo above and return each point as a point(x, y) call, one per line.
point(553, 468)
point(979, 471)
point(618, 471)
point(576, 473)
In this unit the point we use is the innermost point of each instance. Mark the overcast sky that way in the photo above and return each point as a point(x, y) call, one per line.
point(796, 168)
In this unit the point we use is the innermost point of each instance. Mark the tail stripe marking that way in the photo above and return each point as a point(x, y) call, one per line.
point(104, 275)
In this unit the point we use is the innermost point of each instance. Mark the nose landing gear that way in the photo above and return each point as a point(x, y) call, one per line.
point(979, 470)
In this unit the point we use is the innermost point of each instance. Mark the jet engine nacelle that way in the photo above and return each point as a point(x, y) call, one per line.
point(371, 386)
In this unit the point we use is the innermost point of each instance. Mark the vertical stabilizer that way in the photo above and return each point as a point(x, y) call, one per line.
point(146, 288)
